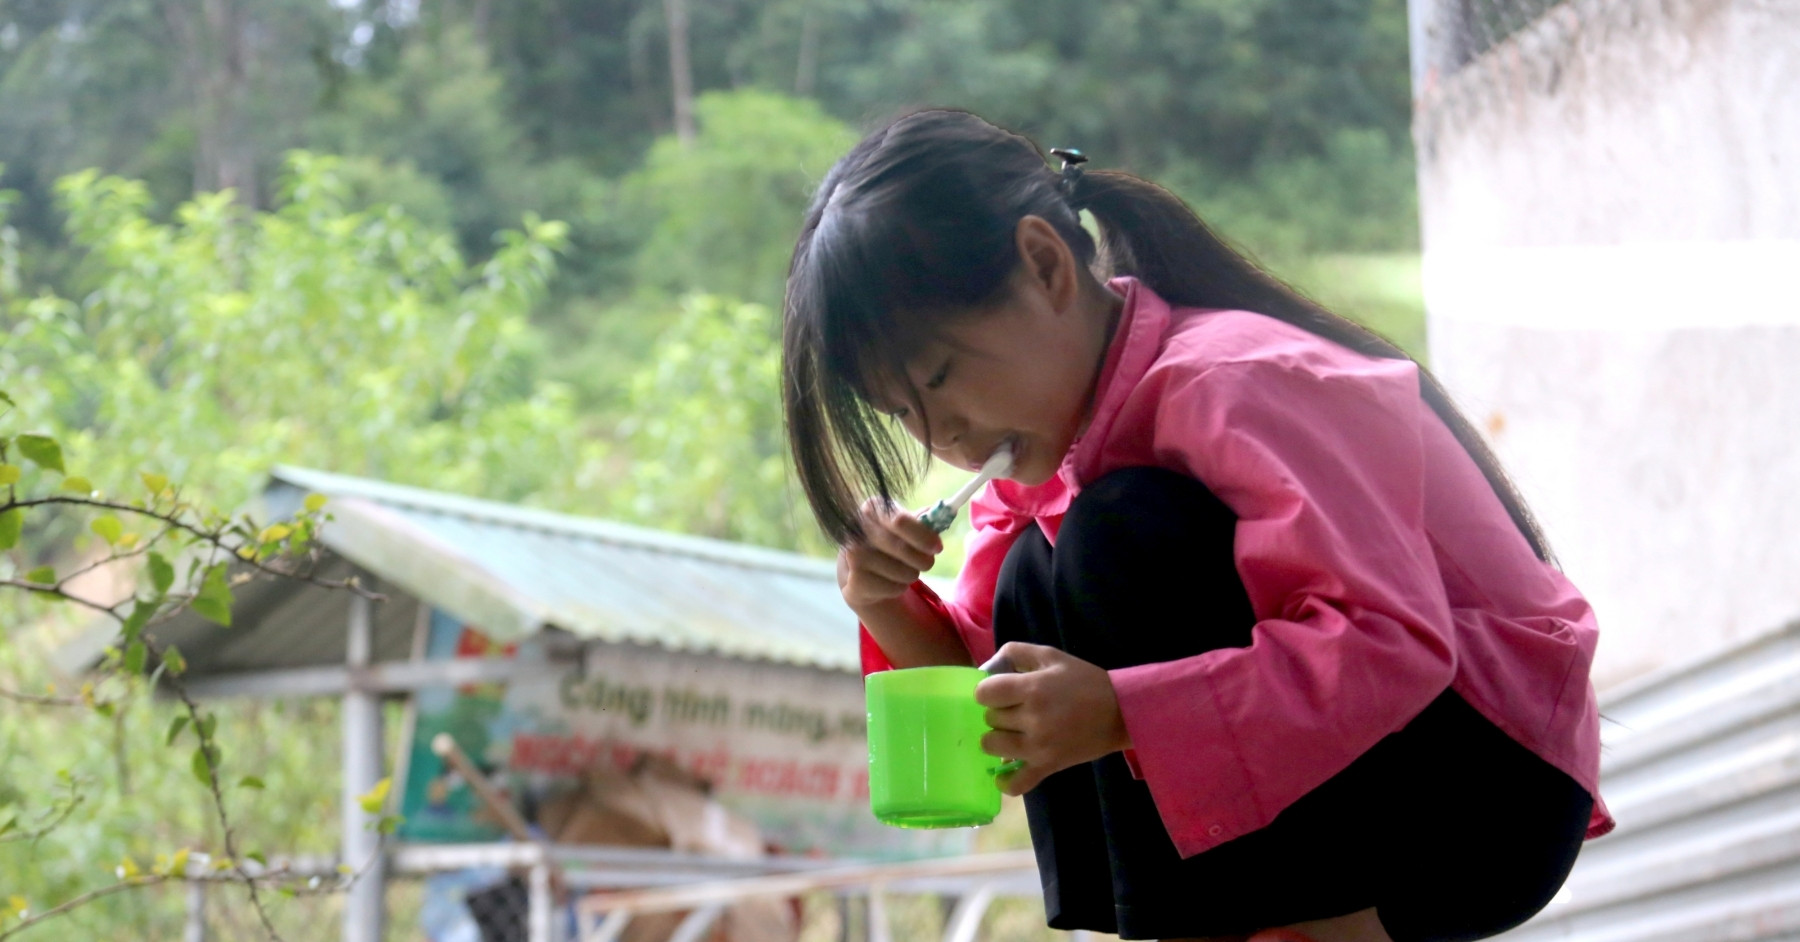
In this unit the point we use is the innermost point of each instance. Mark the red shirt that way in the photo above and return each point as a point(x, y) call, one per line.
point(1380, 565)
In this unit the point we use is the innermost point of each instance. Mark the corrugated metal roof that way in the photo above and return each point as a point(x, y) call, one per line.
point(512, 571)
point(515, 570)
point(1702, 772)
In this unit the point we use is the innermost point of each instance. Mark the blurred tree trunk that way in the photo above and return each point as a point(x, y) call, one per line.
point(806, 71)
point(681, 71)
point(216, 55)
point(484, 13)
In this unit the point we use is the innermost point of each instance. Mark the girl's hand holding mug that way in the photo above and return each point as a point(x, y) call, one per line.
point(896, 547)
point(1057, 711)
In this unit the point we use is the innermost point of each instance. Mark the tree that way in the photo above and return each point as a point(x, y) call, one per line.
point(703, 436)
point(721, 215)
point(206, 348)
point(356, 340)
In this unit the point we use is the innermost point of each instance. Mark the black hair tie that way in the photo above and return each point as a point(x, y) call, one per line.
point(1072, 160)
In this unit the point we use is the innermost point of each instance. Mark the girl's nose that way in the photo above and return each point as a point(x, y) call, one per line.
point(945, 434)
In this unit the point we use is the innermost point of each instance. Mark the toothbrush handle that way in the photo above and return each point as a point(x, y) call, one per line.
point(938, 517)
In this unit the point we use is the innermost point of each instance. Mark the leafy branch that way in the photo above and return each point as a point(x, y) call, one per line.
point(213, 544)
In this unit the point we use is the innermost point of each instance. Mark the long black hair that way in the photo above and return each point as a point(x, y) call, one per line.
point(914, 228)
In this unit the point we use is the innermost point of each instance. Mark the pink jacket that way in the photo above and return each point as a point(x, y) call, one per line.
point(1380, 565)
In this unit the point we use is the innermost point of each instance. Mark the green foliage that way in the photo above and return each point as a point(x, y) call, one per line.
point(57, 818)
point(1356, 198)
point(1383, 292)
point(703, 433)
point(725, 210)
point(356, 340)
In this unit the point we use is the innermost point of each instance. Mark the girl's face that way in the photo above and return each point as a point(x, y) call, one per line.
point(1021, 373)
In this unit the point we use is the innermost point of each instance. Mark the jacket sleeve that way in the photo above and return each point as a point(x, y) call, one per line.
point(1323, 466)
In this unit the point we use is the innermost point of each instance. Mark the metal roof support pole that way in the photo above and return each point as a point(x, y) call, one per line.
point(697, 923)
point(195, 930)
point(966, 920)
point(878, 918)
point(538, 905)
point(609, 929)
point(362, 769)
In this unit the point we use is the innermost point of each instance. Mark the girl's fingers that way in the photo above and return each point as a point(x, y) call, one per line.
point(873, 562)
point(1002, 690)
point(915, 533)
point(1018, 781)
point(889, 543)
point(1009, 719)
point(1003, 744)
point(898, 534)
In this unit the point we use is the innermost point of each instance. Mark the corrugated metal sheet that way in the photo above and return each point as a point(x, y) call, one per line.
point(1702, 771)
point(515, 570)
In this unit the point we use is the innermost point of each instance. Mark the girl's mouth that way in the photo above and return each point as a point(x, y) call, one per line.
point(1009, 443)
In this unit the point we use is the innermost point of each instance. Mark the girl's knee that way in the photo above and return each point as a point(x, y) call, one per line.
point(1138, 504)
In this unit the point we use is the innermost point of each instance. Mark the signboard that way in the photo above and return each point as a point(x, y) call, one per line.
point(785, 746)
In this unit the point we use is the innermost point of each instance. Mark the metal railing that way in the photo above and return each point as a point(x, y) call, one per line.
point(607, 887)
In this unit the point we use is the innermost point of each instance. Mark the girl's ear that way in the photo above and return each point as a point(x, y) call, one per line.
point(1047, 262)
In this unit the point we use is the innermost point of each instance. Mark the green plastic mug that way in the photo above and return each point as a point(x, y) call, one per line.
point(926, 767)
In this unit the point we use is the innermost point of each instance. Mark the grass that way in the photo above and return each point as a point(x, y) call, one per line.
point(1381, 292)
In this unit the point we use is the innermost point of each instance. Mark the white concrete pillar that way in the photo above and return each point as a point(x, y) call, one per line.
point(1610, 210)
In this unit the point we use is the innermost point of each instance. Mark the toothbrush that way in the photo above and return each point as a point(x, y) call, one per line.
point(943, 513)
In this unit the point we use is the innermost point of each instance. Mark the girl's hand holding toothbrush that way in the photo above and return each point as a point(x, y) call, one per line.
point(875, 573)
point(896, 547)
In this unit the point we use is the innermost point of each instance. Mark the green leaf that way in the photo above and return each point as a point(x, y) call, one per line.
point(172, 659)
point(256, 855)
point(154, 482)
point(199, 766)
point(6, 399)
point(389, 823)
point(77, 485)
point(134, 657)
point(107, 528)
point(251, 781)
point(11, 523)
point(9, 474)
point(175, 726)
point(43, 450)
point(135, 622)
point(213, 602)
point(42, 575)
point(162, 575)
point(315, 503)
point(374, 798)
point(206, 724)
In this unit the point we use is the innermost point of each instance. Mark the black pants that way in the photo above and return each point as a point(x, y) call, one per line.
point(1450, 828)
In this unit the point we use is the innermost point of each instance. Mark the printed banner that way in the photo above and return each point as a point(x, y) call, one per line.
point(784, 746)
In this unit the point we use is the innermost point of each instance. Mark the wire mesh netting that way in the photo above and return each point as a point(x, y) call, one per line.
point(1477, 58)
point(501, 911)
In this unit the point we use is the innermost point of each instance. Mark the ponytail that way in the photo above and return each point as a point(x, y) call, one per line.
point(1150, 234)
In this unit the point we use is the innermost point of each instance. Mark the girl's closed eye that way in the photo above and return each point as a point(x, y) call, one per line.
point(937, 379)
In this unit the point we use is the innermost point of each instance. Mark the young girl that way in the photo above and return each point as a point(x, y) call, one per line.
point(1289, 654)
